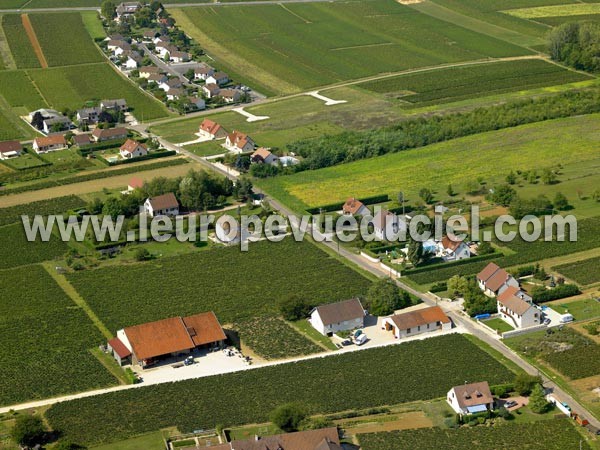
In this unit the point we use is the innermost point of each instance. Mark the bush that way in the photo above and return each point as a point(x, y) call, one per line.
point(541, 294)
point(28, 430)
point(289, 416)
point(524, 383)
point(294, 308)
point(438, 287)
point(384, 297)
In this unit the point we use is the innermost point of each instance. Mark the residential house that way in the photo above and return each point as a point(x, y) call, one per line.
point(493, 280)
point(89, 115)
point(119, 104)
point(151, 342)
point(175, 93)
point(82, 139)
point(453, 250)
point(163, 205)
point(354, 207)
point(114, 44)
point(211, 129)
point(516, 309)
point(132, 149)
point(135, 183)
point(149, 35)
point(203, 72)
point(134, 60)
point(126, 9)
point(321, 439)
point(218, 78)
point(341, 316)
point(230, 95)
point(471, 398)
point(56, 124)
point(108, 134)
point(165, 48)
point(387, 224)
point(121, 47)
point(146, 71)
point(416, 322)
point(264, 156)
point(49, 144)
point(239, 142)
point(10, 149)
point(198, 103)
point(157, 78)
point(210, 90)
point(173, 83)
point(45, 113)
point(164, 39)
point(179, 57)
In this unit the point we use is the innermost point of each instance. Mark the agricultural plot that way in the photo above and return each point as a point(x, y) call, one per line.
point(17, 90)
point(19, 43)
point(64, 39)
point(18, 251)
point(25, 161)
point(286, 48)
point(557, 434)
point(46, 340)
point(555, 10)
point(582, 272)
point(459, 83)
point(93, 24)
point(248, 396)
point(57, 205)
point(558, 20)
point(272, 338)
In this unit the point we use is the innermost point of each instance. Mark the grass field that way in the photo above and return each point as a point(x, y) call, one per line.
point(558, 20)
point(498, 325)
point(582, 272)
point(93, 24)
point(25, 161)
point(488, 155)
point(584, 309)
point(46, 340)
point(150, 441)
point(459, 83)
point(17, 90)
point(248, 396)
point(555, 10)
point(19, 43)
point(286, 48)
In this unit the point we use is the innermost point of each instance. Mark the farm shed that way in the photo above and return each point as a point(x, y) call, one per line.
point(417, 322)
point(340, 316)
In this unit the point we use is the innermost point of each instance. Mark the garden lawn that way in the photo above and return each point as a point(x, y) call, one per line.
point(498, 325)
point(45, 339)
point(355, 380)
point(584, 309)
point(586, 271)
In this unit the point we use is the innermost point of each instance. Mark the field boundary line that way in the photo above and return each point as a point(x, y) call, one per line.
point(72, 293)
point(379, 44)
point(294, 14)
point(34, 40)
point(32, 81)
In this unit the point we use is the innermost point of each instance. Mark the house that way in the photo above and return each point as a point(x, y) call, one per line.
point(49, 144)
point(82, 139)
point(56, 124)
point(288, 161)
point(416, 322)
point(341, 316)
point(354, 207)
point(212, 130)
point(321, 439)
point(108, 134)
point(149, 35)
point(146, 71)
point(157, 78)
point(127, 9)
point(175, 93)
point(218, 78)
point(387, 224)
point(165, 48)
point(170, 84)
point(453, 250)
point(471, 398)
point(119, 351)
point(135, 183)
point(150, 342)
point(203, 72)
point(114, 43)
point(516, 309)
point(162, 40)
point(198, 103)
point(45, 113)
point(211, 90)
point(493, 280)
point(264, 156)
point(163, 205)
point(238, 142)
point(179, 57)
point(116, 105)
point(132, 149)
point(89, 115)
point(134, 59)
point(10, 149)
point(230, 95)
point(120, 47)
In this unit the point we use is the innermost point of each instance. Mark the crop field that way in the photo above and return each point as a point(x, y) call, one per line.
point(93, 24)
point(582, 272)
point(555, 10)
point(558, 20)
point(557, 434)
point(17, 90)
point(55, 206)
point(19, 251)
point(19, 43)
point(25, 161)
point(45, 340)
point(533, 146)
point(459, 83)
point(248, 396)
point(297, 268)
point(567, 351)
point(272, 338)
point(55, 30)
point(286, 48)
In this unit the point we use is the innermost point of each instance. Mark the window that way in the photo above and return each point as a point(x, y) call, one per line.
point(408, 331)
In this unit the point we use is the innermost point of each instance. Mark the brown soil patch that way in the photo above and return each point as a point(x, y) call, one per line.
point(401, 421)
point(34, 40)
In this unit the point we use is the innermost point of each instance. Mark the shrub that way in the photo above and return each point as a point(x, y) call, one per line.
point(294, 308)
point(289, 416)
point(541, 294)
point(28, 430)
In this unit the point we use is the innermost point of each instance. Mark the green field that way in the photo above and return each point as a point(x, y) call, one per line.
point(555, 10)
point(557, 434)
point(57, 205)
point(248, 396)
point(20, 47)
point(558, 20)
point(18, 251)
point(17, 90)
point(93, 24)
point(25, 161)
point(46, 340)
point(587, 308)
point(459, 83)
point(286, 48)
point(582, 272)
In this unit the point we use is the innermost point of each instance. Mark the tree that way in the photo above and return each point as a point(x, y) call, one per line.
point(294, 307)
point(511, 178)
point(243, 189)
point(415, 252)
point(95, 206)
point(28, 430)
point(560, 201)
point(548, 177)
point(450, 191)
point(503, 195)
point(384, 297)
point(576, 44)
point(476, 302)
point(106, 117)
point(457, 285)
point(537, 400)
point(66, 445)
point(141, 254)
point(108, 10)
point(37, 121)
point(288, 416)
point(426, 195)
point(484, 248)
point(112, 207)
point(524, 383)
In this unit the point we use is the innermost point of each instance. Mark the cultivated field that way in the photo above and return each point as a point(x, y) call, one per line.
point(19, 251)
point(354, 380)
point(286, 48)
point(57, 206)
point(583, 272)
point(19, 43)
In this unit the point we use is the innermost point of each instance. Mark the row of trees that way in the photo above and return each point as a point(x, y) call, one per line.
point(506, 195)
point(576, 44)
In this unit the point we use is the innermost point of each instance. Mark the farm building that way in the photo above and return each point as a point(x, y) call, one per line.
point(10, 149)
point(341, 316)
point(163, 205)
point(149, 342)
point(239, 142)
point(108, 134)
point(471, 398)
point(322, 439)
point(354, 207)
point(212, 130)
point(387, 224)
point(49, 144)
point(516, 309)
point(493, 280)
point(264, 156)
point(132, 149)
point(416, 322)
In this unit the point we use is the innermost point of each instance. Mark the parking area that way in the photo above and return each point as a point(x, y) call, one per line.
point(554, 316)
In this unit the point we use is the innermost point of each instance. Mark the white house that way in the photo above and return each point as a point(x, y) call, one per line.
point(203, 72)
point(10, 149)
point(471, 398)
point(198, 102)
point(132, 149)
point(218, 78)
point(126, 9)
point(230, 95)
point(387, 224)
point(157, 78)
point(175, 93)
point(493, 280)
point(173, 83)
point(119, 104)
point(179, 57)
point(146, 71)
point(341, 316)
point(49, 144)
point(211, 90)
point(163, 205)
point(516, 309)
point(89, 115)
point(264, 156)
point(416, 322)
point(354, 207)
point(62, 122)
point(134, 59)
point(452, 250)
point(238, 142)
point(210, 129)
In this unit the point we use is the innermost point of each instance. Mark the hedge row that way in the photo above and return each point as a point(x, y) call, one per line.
point(338, 205)
point(143, 158)
point(561, 291)
point(460, 262)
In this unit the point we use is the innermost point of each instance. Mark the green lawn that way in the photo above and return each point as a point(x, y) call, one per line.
point(25, 161)
point(151, 441)
point(305, 327)
point(206, 148)
point(581, 309)
point(93, 24)
point(498, 325)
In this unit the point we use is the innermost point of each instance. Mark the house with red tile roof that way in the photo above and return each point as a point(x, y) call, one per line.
point(516, 308)
point(239, 142)
point(133, 149)
point(210, 129)
point(50, 143)
point(471, 398)
point(493, 280)
point(163, 205)
point(354, 207)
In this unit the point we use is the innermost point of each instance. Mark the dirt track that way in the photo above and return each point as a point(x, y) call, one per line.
point(34, 40)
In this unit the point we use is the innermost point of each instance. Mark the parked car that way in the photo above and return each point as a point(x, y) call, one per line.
point(346, 342)
point(360, 339)
point(547, 322)
point(510, 404)
point(189, 361)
